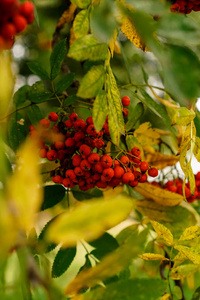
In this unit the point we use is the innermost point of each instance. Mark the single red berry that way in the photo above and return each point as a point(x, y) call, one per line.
point(70, 142)
point(87, 174)
point(20, 22)
point(125, 112)
point(70, 174)
point(197, 176)
point(57, 179)
point(69, 124)
point(31, 127)
point(79, 124)
point(89, 120)
point(106, 161)
point(8, 30)
point(172, 188)
point(61, 154)
point(96, 176)
point(84, 150)
point(101, 184)
point(144, 166)
point(116, 163)
point(81, 183)
point(133, 183)
point(106, 179)
point(73, 117)
point(85, 165)
point(79, 136)
point(68, 183)
point(169, 183)
point(91, 130)
point(125, 160)
point(143, 178)
point(59, 145)
point(153, 172)
point(137, 175)
point(53, 117)
point(126, 101)
point(76, 160)
point(114, 182)
point(99, 143)
point(43, 153)
point(109, 172)
point(128, 177)
point(119, 172)
point(51, 155)
point(78, 171)
point(98, 167)
point(27, 8)
point(93, 158)
point(136, 151)
point(44, 123)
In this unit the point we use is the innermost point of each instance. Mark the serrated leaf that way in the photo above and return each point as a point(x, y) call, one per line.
point(81, 24)
point(70, 100)
point(81, 3)
point(21, 96)
point(152, 256)
point(37, 69)
point(190, 233)
point(146, 135)
point(115, 116)
point(191, 253)
point(88, 47)
point(64, 83)
point(62, 261)
point(46, 247)
point(53, 194)
point(163, 232)
point(100, 110)
point(86, 265)
point(91, 193)
point(135, 116)
point(56, 58)
point(159, 195)
point(160, 160)
point(89, 220)
point(34, 114)
point(118, 259)
point(92, 83)
point(24, 187)
point(183, 116)
point(141, 288)
point(183, 271)
point(37, 93)
point(17, 131)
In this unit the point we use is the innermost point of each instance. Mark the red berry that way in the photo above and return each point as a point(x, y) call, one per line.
point(109, 172)
point(133, 183)
point(98, 167)
point(43, 153)
point(57, 179)
point(76, 160)
point(128, 177)
point(52, 155)
point(89, 120)
point(172, 188)
point(79, 124)
point(106, 161)
point(8, 30)
point(73, 117)
point(59, 145)
point(84, 150)
point(136, 151)
point(144, 166)
point(78, 171)
point(119, 172)
point(27, 8)
point(126, 101)
point(70, 142)
point(114, 182)
point(153, 172)
point(125, 160)
point(70, 174)
point(20, 22)
point(91, 130)
point(69, 124)
point(79, 136)
point(31, 127)
point(143, 178)
point(53, 117)
point(197, 176)
point(125, 112)
point(101, 184)
point(85, 165)
point(44, 123)
point(68, 183)
point(94, 158)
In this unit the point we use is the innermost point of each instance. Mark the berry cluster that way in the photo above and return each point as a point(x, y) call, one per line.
point(185, 6)
point(81, 152)
point(14, 18)
point(176, 186)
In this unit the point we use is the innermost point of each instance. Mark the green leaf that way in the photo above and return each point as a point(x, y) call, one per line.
point(149, 6)
point(91, 193)
point(70, 100)
point(86, 265)
point(37, 69)
point(100, 110)
point(38, 94)
point(34, 114)
point(115, 116)
point(88, 47)
point(135, 116)
point(183, 271)
point(53, 194)
point(62, 261)
point(21, 96)
point(81, 3)
point(196, 294)
point(46, 247)
point(89, 220)
point(16, 130)
point(197, 123)
point(104, 245)
point(92, 83)
point(81, 24)
point(64, 83)
point(56, 58)
point(126, 232)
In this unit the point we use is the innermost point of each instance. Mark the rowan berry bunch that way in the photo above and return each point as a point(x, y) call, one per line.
point(14, 18)
point(82, 155)
point(185, 6)
point(176, 186)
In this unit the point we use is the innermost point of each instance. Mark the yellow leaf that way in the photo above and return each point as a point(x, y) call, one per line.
point(191, 281)
point(112, 42)
point(163, 232)
point(89, 220)
point(6, 82)
point(146, 135)
point(179, 258)
point(191, 253)
point(165, 296)
point(24, 191)
point(183, 271)
point(152, 256)
point(159, 195)
point(183, 116)
point(160, 160)
point(129, 31)
point(190, 233)
point(196, 148)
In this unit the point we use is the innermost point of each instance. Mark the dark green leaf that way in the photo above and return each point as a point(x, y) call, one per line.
point(92, 82)
point(100, 110)
point(197, 123)
point(56, 58)
point(70, 100)
point(86, 265)
point(21, 96)
point(62, 261)
point(53, 194)
point(92, 193)
point(81, 23)
point(37, 69)
point(16, 131)
point(137, 289)
point(104, 245)
point(88, 47)
point(135, 116)
point(46, 247)
point(64, 83)
point(34, 114)
point(38, 94)
point(155, 7)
